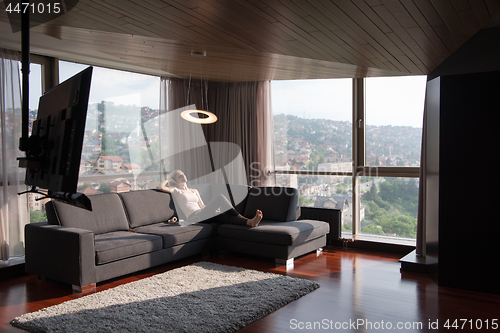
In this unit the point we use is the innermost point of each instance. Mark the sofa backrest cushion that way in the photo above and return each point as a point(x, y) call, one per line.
point(276, 203)
point(107, 214)
point(147, 207)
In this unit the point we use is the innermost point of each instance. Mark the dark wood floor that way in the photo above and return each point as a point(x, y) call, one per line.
point(361, 291)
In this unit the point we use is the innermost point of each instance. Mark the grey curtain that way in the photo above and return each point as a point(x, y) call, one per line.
point(244, 121)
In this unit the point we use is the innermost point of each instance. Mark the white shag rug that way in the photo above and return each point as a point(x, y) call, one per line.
point(203, 297)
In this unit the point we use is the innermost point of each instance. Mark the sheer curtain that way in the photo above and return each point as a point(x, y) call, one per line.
point(13, 208)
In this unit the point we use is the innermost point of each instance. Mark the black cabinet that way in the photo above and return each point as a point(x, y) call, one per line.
point(462, 223)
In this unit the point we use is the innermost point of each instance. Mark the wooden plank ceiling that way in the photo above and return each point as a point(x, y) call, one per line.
point(247, 40)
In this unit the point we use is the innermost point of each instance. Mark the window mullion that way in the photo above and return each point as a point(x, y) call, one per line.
point(358, 147)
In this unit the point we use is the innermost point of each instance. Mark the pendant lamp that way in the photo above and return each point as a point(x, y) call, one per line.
point(199, 116)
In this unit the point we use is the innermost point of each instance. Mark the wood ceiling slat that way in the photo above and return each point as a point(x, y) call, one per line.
point(168, 30)
point(263, 39)
point(291, 28)
point(423, 41)
point(182, 22)
point(385, 49)
point(390, 65)
point(373, 3)
point(325, 33)
point(404, 17)
point(426, 28)
point(406, 50)
point(469, 20)
point(158, 4)
point(83, 19)
point(493, 7)
point(164, 19)
point(254, 35)
point(352, 45)
point(371, 15)
point(460, 5)
point(336, 48)
point(308, 47)
point(264, 33)
point(97, 9)
point(201, 23)
point(337, 44)
point(412, 67)
point(406, 39)
point(283, 67)
point(451, 19)
point(400, 13)
point(481, 12)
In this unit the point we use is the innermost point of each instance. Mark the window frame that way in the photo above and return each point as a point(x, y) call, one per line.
point(359, 167)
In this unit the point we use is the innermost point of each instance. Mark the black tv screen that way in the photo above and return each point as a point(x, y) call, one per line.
point(58, 135)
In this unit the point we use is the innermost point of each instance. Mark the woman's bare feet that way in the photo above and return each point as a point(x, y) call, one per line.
point(254, 221)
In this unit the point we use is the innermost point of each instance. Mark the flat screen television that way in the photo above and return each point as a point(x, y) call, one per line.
point(55, 145)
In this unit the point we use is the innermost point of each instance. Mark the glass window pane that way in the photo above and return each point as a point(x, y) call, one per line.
point(121, 132)
point(330, 192)
point(394, 115)
point(312, 123)
point(389, 206)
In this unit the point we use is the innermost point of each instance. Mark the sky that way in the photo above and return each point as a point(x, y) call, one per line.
point(396, 101)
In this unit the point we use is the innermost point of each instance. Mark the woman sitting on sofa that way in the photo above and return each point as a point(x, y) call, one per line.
point(194, 209)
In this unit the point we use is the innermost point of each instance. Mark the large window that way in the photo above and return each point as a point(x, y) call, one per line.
point(121, 132)
point(313, 136)
point(315, 123)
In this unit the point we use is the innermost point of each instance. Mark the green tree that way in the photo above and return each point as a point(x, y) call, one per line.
point(303, 201)
point(373, 229)
point(84, 186)
point(104, 187)
point(37, 216)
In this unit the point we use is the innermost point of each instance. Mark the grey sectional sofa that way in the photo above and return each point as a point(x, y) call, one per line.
point(127, 232)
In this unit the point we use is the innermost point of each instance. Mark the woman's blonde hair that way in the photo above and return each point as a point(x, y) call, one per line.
point(171, 178)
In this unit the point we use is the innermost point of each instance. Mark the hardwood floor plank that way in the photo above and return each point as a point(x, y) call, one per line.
point(359, 286)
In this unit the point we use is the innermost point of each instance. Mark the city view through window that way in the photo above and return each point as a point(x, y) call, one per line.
point(313, 133)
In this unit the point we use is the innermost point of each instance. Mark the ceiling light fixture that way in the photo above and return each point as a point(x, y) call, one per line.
point(199, 116)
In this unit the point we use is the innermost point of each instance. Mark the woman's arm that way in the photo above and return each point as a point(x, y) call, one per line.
point(164, 186)
point(200, 201)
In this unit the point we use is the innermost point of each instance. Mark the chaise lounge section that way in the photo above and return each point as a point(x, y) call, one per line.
point(127, 232)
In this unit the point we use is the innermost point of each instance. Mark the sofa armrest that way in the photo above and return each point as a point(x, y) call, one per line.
point(61, 253)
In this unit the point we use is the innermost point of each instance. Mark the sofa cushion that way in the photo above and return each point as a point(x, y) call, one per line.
point(276, 203)
point(173, 235)
point(283, 233)
point(147, 207)
point(118, 245)
point(107, 214)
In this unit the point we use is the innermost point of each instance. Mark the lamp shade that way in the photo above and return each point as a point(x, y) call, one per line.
point(193, 116)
